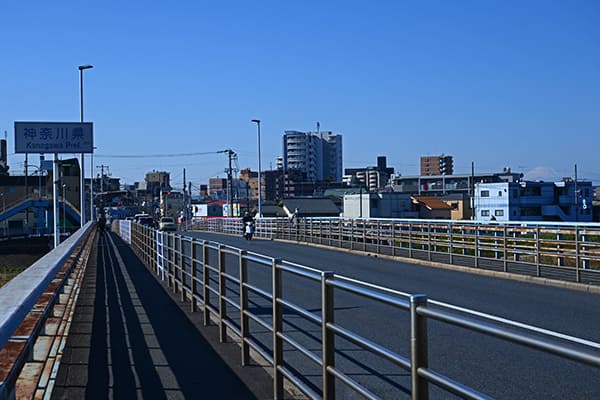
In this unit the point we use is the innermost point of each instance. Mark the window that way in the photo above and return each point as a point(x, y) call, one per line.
point(499, 193)
point(485, 213)
point(499, 213)
point(485, 193)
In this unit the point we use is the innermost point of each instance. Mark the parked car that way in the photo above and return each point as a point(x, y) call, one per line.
point(137, 217)
point(147, 221)
point(167, 224)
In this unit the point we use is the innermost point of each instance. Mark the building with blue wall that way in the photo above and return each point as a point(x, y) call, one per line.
point(566, 200)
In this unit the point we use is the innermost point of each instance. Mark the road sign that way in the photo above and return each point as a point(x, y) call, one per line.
point(54, 137)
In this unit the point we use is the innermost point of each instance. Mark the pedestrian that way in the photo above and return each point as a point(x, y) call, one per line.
point(295, 218)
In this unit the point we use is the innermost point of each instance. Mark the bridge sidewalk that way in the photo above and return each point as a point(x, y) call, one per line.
point(131, 338)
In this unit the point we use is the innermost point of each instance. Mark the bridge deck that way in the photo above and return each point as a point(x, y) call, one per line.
point(131, 337)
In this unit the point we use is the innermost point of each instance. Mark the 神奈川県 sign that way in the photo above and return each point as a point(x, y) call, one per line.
point(54, 137)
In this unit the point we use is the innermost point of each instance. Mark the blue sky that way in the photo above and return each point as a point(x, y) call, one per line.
point(500, 83)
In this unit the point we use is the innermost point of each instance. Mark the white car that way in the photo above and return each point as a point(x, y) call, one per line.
point(167, 224)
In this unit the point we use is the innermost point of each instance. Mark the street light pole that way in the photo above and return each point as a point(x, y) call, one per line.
point(82, 166)
point(64, 209)
point(92, 205)
point(257, 122)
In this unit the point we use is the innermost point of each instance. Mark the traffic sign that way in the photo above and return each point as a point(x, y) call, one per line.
point(54, 137)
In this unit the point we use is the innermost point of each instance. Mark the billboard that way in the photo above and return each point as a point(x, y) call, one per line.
point(54, 137)
point(200, 210)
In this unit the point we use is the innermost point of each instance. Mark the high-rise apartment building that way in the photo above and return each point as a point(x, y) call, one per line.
point(437, 165)
point(318, 154)
point(371, 178)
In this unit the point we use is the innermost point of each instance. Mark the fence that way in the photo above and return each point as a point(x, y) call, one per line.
point(35, 314)
point(560, 251)
point(218, 278)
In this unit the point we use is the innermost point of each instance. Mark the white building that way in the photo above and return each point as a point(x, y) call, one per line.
point(370, 179)
point(534, 201)
point(318, 154)
point(378, 205)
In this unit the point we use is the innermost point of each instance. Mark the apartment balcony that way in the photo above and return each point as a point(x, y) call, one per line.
point(525, 201)
point(555, 211)
point(567, 200)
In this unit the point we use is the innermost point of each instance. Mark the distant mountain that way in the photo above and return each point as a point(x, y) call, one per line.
point(542, 174)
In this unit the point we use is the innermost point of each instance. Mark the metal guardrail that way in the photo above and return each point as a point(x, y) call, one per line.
point(562, 251)
point(35, 313)
point(206, 282)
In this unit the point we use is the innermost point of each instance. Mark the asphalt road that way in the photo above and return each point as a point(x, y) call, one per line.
point(494, 367)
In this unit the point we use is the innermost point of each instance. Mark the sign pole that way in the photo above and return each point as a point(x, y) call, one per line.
point(55, 200)
point(55, 138)
point(82, 218)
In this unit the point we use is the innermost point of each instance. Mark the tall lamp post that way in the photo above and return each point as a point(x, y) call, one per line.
point(92, 203)
point(257, 122)
point(82, 169)
point(64, 186)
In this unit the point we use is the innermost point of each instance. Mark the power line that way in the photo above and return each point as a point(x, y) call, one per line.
point(156, 155)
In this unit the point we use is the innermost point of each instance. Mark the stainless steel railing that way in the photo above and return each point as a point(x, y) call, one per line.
point(567, 252)
point(207, 282)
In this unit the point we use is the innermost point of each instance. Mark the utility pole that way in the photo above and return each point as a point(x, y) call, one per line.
point(102, 184)
point(576, 197)
point(26, 189)
point(473, 190)
point(188, 211)
point(184, 211)
point(230, 181)
point(231, 155)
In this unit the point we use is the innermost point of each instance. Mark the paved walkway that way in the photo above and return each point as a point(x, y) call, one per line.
point(131, 338)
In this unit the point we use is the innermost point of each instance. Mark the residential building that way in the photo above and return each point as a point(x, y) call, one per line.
point(534, 201)
point(440, 185)
point(217, 187)
point(203, 191)
point(3, 158)
point(460, 205)
point(437, 165)
point(251, 179)
point(379, 205)
point(157, 181)
point(317, 154)
point(171, 203)
point(371, 178)
point(431, 207)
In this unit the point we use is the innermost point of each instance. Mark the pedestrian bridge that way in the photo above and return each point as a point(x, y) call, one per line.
point(137, 312)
